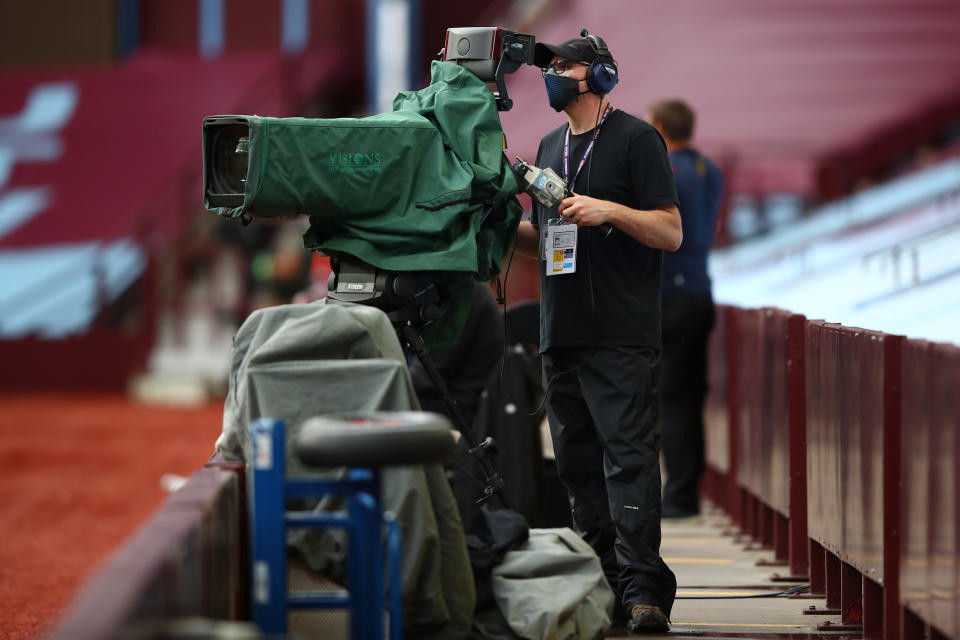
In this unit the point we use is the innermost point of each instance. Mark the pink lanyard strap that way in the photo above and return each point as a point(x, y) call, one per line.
point(586, 154)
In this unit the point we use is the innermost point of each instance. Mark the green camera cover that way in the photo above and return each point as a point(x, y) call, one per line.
point(404, 191)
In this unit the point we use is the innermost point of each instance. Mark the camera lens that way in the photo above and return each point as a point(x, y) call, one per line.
point(230, 157)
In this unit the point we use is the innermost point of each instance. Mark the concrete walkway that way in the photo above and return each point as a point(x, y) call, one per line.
point(709, 563)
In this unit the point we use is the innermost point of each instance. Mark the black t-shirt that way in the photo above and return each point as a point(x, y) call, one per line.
point(614, 296)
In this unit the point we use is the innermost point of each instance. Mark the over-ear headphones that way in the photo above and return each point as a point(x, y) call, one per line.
point(602, 72)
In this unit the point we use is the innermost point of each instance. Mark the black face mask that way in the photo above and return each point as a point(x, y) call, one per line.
point(562, 91)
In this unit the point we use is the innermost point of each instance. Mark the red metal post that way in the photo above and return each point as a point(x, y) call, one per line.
point(757, 521)
point(797, 403)
point(748, 514)
point(872, 610)
point(756, 527)
point(943, 542)
point(936, 634)
point(851, 598)
point(752, 507)
point(818, 569)
point(781, 538)
point(955, 375)
point(766, 526)
point(892, 382)
point(910, 624)
point(733, 413)
point(833, 581)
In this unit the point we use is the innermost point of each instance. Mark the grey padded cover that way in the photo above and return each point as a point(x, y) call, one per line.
point(376, 439)
point(554, 566)
point(297, 361)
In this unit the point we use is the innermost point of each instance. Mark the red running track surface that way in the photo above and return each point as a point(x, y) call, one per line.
point(80, 473)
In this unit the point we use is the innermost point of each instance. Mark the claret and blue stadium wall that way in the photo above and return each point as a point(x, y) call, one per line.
point(838, 448)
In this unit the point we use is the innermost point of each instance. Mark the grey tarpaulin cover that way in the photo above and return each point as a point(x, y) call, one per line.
point(296, 361)
point(552, 588)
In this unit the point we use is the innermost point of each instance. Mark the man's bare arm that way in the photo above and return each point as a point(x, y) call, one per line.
point(657, 228)
point(528, 240)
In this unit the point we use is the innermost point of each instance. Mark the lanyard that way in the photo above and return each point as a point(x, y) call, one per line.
point(586, 154)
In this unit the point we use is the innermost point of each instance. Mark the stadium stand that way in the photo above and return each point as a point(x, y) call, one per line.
point(101, 183)
point(884, 258)
point(801, 100)
point(834, 449)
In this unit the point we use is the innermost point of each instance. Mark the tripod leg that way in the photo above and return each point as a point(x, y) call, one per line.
point(413, 339)
point(494, 481)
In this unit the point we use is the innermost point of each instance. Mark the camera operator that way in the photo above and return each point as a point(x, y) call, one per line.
point(600, 320)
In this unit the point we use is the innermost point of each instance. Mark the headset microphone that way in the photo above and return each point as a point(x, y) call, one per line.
point(602, 72)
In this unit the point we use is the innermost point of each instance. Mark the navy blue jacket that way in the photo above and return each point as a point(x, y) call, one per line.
point(700, 189)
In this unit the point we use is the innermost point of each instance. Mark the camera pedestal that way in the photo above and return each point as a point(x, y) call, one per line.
point(411, 302)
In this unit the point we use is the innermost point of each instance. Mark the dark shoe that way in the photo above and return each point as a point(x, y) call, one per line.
point(620, 620)
point(647, 618)
point(621, 615)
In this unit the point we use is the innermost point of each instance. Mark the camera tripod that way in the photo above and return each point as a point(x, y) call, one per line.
point(412, 302)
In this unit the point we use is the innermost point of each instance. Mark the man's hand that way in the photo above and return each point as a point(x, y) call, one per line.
point(527, 241)
point(585, 211)
point(657, 228)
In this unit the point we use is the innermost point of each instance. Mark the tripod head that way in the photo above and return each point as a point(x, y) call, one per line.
point(412, 301)
point(407, 297)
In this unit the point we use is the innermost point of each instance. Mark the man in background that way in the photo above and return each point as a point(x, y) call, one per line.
point(688, 311)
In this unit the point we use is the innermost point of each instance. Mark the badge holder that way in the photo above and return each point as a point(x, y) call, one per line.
point(560, 248)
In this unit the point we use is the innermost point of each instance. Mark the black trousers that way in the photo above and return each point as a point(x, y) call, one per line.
point(688, 319)
point(603, 419)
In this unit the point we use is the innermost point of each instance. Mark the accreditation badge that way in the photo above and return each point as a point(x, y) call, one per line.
point(560, 249)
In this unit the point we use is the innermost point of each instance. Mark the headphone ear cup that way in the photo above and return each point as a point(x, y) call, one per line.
point(602, 77)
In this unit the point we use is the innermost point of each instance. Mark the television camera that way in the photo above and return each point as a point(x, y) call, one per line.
point(490, 53)
point(372, 186)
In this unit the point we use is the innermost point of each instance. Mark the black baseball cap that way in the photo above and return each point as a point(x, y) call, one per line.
point(579, 49)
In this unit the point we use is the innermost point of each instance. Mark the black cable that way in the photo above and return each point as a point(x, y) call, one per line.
point(493, 480)
point(593, 302)
point(503, 358)
point(468, 474)
point(546, 389)
point(779, 594)
point(506, 275)
point(596, 134)
point(593, 297)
